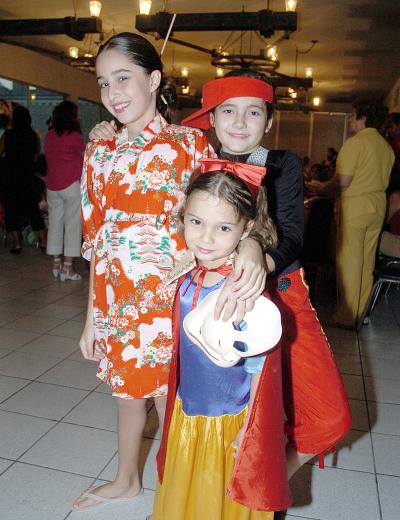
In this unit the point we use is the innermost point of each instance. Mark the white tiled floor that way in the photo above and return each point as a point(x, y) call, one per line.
point(57, 421)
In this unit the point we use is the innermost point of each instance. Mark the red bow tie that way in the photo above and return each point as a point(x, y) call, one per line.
point(252, 175)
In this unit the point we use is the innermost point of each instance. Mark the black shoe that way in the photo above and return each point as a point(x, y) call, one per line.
point(280, 515)
point(16, 251)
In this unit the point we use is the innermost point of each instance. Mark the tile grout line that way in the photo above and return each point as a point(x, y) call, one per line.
point(359, 340)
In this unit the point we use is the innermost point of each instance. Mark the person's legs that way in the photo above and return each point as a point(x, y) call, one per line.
point(316, 405)
point(14, 238)
point(349, 267)
point(295, 460)
point(72, 230)
point(56, 230)
point(57, 264)
point(42, 239)
point(32, 212)
point(13, 220)
point(160, 404)
point(55, 234)
point(132, 416)
point(370, 246)
point(72, 220)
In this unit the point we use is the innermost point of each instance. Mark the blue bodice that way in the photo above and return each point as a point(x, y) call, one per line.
point(205, 388)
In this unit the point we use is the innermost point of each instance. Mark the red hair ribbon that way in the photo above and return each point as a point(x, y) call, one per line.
point(249, 173)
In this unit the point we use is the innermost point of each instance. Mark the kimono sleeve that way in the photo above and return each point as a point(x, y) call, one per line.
point(203, 149)
point(92, 187)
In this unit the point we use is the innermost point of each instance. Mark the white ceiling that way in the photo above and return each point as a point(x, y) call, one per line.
point(358, 50)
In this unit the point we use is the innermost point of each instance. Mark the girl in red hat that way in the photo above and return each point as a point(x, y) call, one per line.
point(240, 108)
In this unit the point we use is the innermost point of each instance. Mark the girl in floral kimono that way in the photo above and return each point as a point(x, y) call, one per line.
point(132, 187)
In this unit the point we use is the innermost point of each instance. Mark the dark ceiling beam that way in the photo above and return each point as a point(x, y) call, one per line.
point(281, 80)
point(264, 21)
point(76, 28)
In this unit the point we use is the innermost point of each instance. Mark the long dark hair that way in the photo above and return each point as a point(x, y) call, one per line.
point(21, 120)
point(21, 142)
point(65, 118)
point(235, 192)
point(142, 53)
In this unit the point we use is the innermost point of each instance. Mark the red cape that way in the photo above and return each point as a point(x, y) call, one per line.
point(259, 479)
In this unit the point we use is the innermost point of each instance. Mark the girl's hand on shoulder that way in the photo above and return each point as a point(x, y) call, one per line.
point(86, 344)
point(103, 131)
point(245, 284)
point(249, 275)
point(229, 304)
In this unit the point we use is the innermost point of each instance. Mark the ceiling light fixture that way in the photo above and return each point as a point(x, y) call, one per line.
point(144, 6)
point(271, 52)
point(264, 22)
point(73, 52)
point(291, 5)
point(230, 61)
point(309, 72)
point(306, 51)
point(95, 8)
point(184, 72)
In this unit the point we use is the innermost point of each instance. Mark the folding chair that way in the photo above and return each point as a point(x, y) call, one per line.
point(387, 270)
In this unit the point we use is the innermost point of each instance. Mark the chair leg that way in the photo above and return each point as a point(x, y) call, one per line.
point(369, 306)
point(379, 285)
point(388, 288)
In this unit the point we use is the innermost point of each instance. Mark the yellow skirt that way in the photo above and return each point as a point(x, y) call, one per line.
point(198, 469)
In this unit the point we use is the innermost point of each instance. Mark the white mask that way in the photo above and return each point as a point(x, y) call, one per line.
point(217, 338)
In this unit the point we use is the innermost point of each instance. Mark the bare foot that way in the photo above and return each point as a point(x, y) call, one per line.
point(107, 493)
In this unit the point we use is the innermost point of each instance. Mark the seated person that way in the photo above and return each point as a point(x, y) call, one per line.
point(306, 168)
point(329, 163)
point(390, 239)
point(316, 174)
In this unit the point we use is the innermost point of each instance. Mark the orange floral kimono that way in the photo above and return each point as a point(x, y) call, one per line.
point(131, 192)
